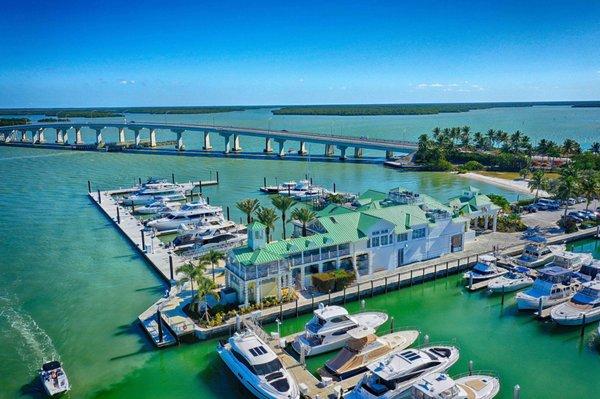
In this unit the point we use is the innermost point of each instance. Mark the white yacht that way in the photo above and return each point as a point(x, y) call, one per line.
point(584, 302)
point(484, 269)
point(536, 254)
point(516, 279)
point(569, 260)
point(153, 190)
point(363, 348)
point(192, 212)
point(205, 233)
point(441, 386)
point(257, 367)
point(328, 329)
point(311, 193)
point(591, 271)
point(554, 285)
point(298, 188)
point(393, 375)
point(157, 207)
point(54, 379)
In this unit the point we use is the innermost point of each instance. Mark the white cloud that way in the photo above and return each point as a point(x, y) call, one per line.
point(126, 82)
point(461, 87)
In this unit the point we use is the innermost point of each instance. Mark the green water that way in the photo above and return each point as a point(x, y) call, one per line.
point(71, 287)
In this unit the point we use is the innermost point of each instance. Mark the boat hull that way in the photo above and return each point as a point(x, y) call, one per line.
point(482, 386)
point(573, 319)
point(510, 287)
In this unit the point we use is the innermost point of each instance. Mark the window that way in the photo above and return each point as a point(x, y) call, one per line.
point(402, 237)
point(384, 240)
point(375, 241)
point(311, 269)
point(418, 233)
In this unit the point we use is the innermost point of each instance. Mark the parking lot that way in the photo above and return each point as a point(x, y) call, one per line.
point(548, 219)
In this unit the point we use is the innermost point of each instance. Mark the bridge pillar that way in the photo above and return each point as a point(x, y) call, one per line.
point(236, 143)
point(34, 136)
point(281, 148)
point(137, 137)
point(66, 136)
point(179, 146)
point(227, 137)
point(78, 138)
point(41, 138)
point(98, 135)
point(121, 135)
point(329, 150)
point(342, 149)
point(59, 136)
point(389, 154)
point(3, 136)
point(152, 138)
point(24, 136)
point(268, 145)
point(207, 146)
point(302, 150)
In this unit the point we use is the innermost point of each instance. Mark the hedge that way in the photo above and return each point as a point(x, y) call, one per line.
point(335, 280)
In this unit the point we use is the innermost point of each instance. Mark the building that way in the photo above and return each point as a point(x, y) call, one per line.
point(379, 231)
point(475, 206)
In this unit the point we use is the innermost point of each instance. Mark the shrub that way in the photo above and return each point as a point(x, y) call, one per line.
point(568, 225)
point(500, 201)
point(473, 165)
point(335, 280)
point(510, 224)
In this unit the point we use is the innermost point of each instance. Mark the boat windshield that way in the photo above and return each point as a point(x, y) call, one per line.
point(267, 368)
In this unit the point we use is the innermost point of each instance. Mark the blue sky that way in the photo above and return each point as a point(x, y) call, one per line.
point(105, 53)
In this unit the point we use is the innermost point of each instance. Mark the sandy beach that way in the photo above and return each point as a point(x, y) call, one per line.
point(514, 185)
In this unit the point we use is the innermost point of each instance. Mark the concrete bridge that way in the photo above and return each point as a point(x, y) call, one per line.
point(36, 133)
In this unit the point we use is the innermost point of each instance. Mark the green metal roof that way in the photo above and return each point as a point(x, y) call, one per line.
point(256, 226)
point(373, 195)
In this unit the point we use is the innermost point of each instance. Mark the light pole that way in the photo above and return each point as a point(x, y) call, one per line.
point(269, 124)
point(166, 115)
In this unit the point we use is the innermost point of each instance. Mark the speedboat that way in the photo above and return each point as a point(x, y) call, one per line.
point(54, 379)
point(192, 212)
point(516, 279)
point(160, 206)
point(398, 371)
point(257, 367)
point(441, 386)
point(205, 233)
point(554, 285)
point(535, 254)
point(328, 329)
point(569, 260)
point(585, 302)
point(484, 269)
point(151, 190)
point(363, 348)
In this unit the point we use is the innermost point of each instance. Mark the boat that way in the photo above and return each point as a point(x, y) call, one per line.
point(398, 371)
point(553, 286)
point(590, 271)
point(205, 233)
point(569, 260)
point(442, 386)
point(516, 279)
point(586, 302)
point(484, 269)
point(156, 207)
point(54, 379)
point(222, 242)
point(257, 367)
point(535, 254)
point(157, 189)
point(299, 188)
point(363, 348)
point(328, 329)
point(311, 193)
point(192, 212)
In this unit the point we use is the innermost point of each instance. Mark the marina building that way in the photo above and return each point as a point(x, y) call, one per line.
point(379, 231)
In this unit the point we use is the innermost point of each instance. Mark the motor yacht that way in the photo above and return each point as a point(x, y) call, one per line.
point(328, 329)
point(54, 379)
point(298, 188)
point(311, 193)
point(591, 271)
point(535, 254)
point(363, 348)
point(516, 279)
point(586, 302)
point(441, 386)
point(257, 367)
point(156, 207)
point(192, 212)
point(151, 191)
point(393, 375)
point(554, 285)
point(569, 260)
point(485, 269)
point(205, 233)
point(221, 241)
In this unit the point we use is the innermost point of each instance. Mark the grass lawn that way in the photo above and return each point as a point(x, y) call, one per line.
point(510, 175)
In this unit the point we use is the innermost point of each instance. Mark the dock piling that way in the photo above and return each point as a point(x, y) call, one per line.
point(363, 305)
point(334, 188)
point(89, 187)
point(392, 325)
point(143, 240)
point(217, 177)
point(118, 215)
point(426, 339)
point(312, 301)
point(386, 285)
point(329, 298)
point(371, 288)
point(228, 218)
point(296, 308)
point(140, 181)
point(208, 200)
point(200, 186)
point(99, 197)
point(516, 392)
point(264, 182)
point(470, 367)
point(540, 307)
point(171, 267)
point(158, 321)
point(502, 301)
point(173, 178)
point(344, 300)
point(582, 326)
point(471, 281)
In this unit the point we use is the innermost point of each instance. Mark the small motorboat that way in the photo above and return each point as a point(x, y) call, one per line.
point(397, 372)
point(328, 329)
point(54, 379)
point(484, 269)
point(516, 279)
point(536, 253)
point(441, 386)
point(586, 302)
point(569, 260)
point(363, 348)
point(257, 367)
point(553, 286)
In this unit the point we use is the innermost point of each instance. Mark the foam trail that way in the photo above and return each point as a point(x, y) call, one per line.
point(61, 153)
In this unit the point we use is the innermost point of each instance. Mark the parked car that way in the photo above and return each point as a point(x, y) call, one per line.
point(581, 215)
point(574, 218)
point(530, 208)
point(592, 215)
point(581, 200)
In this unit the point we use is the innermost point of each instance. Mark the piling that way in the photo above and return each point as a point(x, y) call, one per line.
point(132, 207)
point(363, 305)
point(158, 321)
point(312, 301)
point(446, 269)
point(502, 302)
point(228, 213)
point(344, 300)
point(358, 291)
point(471, 281)
point(89, 187)
point(99, 197)
point(516, 392)
point(411, 278)
point(280, 309)
point(217, 177)
point(470, 367)
point(200, 186)
point(264, 182)
point(334, 188)
point(540, 306)
point(208, 200)
point(329, 298)
point(173, 178)
point(118, 215)
point(311, 181)
point(371, 288)
point(386, 285)
point(296, 308)
point(140, 181)
point(143, 240)
point(582, 326)
point(171, 267)
point(426, 340)
point(392, 325)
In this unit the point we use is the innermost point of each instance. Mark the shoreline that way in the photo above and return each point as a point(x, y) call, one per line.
point(519, 186)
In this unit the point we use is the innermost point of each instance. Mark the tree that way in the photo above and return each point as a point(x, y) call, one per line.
point(537, 182)
point(491, 136)
point(212, 257)
point(268, 217)
point(190, 273)
point(206, 287)
point(248, 206)
point(571, 147)
point(590, 186)
point(465, 137)
point(481, 142)
point(524, 173)
point(567, 185)
point(304, 216)
point(283, 204)
point(595, 148)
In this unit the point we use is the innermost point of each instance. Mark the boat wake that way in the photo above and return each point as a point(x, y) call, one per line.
point(58, 154)
point(33, 344)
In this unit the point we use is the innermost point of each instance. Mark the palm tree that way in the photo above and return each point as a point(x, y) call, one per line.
point(480, 141)
point(248, 206)
point(502, 136)
point(590, 186)
point(491, 135)
point(206, 287)
point(436, 133)
point(595, 148)
point(190, 273)
point(567, 185)
point(524, 173)
point(537, 182)
point(304, 216)
point(212, 258)
point(283, 203)
point(268, 217)
point(571, 147)
point(465, 136)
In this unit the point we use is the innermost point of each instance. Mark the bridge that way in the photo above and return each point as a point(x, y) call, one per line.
point(230, 135)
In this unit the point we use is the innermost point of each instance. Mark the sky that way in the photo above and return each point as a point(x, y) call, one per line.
point(153, 53)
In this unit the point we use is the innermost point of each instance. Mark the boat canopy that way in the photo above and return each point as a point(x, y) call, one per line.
point(53, 365)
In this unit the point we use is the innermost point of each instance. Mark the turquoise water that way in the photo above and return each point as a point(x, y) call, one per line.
point(71, 287)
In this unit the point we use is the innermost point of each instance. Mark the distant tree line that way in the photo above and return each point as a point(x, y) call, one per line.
point(13, 121)
point(54, 120)
point(119, 111)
